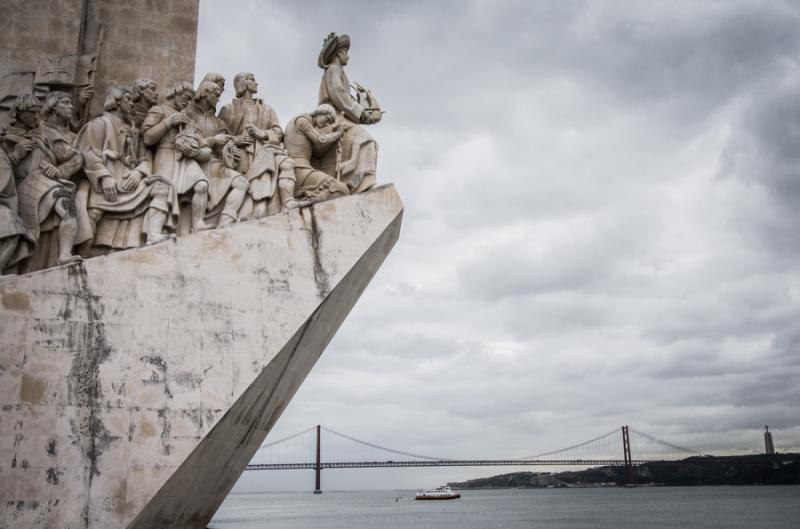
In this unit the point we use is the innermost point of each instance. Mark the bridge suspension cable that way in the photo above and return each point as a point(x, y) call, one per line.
point(654, 448)
point(289, 438)
point(379, 447)
point(591, 443)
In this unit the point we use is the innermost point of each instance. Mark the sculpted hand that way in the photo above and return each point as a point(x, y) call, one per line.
point(220, 139)
point(257, 133)
point(85, 95)
point(366, 118)
point(23, 148)
point(131, 180)
point(109, 188)
point(156, 179)
point(243, 140)
point(177, 119)
point(51, 171)
point(108, 154)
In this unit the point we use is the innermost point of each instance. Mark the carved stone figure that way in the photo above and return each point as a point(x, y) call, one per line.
point(16, 242)
point(264, 161)
point(357, 161)
point(123, 200)
point(216, 78)
point(58, 114)
point(227, 188)
point(43, 162)
point(152, 171)
point(308, 136)
point(144, 95)
point(179, 148)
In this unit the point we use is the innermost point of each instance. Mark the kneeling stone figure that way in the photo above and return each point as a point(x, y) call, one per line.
point(309, 136)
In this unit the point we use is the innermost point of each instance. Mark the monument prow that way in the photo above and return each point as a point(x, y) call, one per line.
point(135, 387)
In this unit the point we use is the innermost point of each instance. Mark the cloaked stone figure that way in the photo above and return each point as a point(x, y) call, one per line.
point(264, 161)
point(43, 162)
point(308, 136)
point(179, 151)
point(58, 114)
point(123, 200)
point(144, 94)
point(356, 161)
point(16, 242)
point(227, 188)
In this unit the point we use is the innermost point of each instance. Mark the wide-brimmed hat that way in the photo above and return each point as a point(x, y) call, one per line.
point(332, 44)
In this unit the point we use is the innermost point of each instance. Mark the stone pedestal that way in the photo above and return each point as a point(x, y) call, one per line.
point(134, 388)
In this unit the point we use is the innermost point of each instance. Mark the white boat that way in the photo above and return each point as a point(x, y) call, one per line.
point(439, 493)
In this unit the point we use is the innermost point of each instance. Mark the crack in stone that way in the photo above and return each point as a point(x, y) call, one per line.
point(321, 278)
point(90, 348)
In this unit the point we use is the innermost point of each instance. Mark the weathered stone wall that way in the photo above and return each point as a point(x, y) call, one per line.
point(156, 39)
point(134, 388)
point(31, 30)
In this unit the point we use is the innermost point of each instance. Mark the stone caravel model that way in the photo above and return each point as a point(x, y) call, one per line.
point(135, 387)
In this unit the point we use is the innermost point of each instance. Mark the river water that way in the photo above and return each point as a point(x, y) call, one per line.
point(591, 508)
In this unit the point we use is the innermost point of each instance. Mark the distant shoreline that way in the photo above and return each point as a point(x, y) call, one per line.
point(751, 470)
point(640, 485)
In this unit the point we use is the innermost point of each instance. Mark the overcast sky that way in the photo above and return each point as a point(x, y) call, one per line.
point(601, 224)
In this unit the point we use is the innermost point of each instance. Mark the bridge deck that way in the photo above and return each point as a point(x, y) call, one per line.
point(443, 463)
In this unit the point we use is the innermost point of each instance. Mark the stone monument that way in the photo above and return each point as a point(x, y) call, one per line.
point(170, 275)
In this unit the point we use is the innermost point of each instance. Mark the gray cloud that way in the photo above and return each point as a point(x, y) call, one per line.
point(762, 157)
point(600, 226)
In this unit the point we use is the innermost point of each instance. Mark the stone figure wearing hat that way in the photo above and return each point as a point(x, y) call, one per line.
point(356, 160)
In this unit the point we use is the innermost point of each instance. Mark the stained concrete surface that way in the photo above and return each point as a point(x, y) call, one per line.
point(134, 388)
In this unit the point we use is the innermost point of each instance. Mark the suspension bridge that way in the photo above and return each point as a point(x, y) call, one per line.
point(304, 450)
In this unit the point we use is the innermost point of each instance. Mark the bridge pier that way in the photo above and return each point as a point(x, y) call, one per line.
point(630, 478)
point(318, 466)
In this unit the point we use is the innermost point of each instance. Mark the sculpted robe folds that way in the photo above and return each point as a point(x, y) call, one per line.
point(219, 177)
point(37, 193)
point(262, 158)
point(67, 134)
point(334, 89)
point(182, 172)
point(13, 231)
point(112, 148)
point(304, 141)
